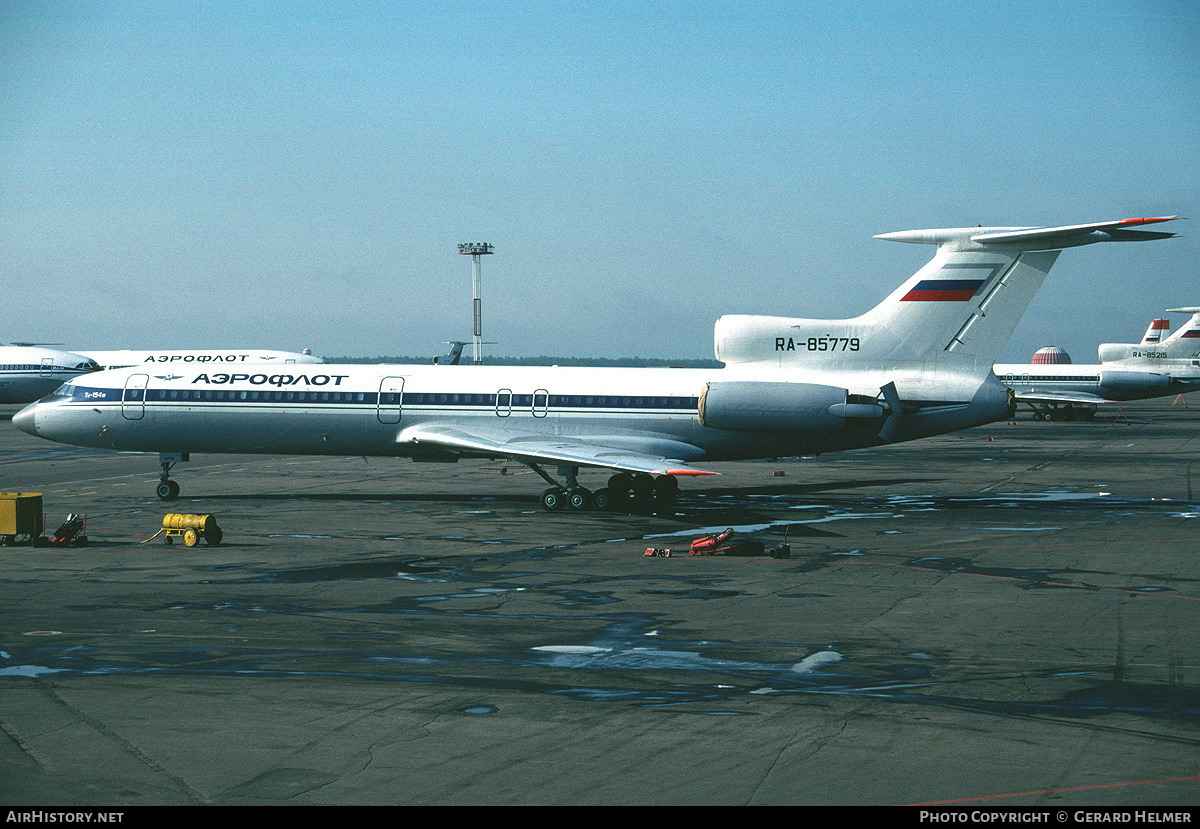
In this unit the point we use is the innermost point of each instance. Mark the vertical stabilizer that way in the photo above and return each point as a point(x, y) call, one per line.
point(962, 307)
point(1157, 332)
point(1185, 342)
point(964, 304)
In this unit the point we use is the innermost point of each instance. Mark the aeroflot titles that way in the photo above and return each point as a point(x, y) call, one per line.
point(277, 380)
point(197, 358)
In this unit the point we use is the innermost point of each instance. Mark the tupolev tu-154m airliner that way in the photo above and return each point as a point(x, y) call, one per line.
point(916, 365)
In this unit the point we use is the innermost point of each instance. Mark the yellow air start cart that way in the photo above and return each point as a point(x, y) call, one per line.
point(20, 515)
point(191, 528)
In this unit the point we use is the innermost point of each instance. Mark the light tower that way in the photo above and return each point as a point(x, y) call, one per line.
point(476, 249)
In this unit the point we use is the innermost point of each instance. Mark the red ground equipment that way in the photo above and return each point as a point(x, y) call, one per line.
point(711, 545)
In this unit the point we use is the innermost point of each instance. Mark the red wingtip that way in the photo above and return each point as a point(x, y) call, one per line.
point(683, 472)
point(1148, 221)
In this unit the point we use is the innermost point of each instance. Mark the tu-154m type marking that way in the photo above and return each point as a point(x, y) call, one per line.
point(918, 364)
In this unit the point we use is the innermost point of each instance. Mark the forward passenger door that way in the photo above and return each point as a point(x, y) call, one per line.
point(391, 394)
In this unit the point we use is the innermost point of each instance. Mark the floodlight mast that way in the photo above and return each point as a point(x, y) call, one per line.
point(476, 249)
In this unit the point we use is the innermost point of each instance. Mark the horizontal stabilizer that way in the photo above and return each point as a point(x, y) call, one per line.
point(1035, 238)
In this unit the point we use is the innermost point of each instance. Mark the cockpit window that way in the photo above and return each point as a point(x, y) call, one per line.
point(65, 390)
point(90, 365)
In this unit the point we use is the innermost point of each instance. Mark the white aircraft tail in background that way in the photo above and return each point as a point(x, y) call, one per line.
point(1184, 344)
point(1157, 332)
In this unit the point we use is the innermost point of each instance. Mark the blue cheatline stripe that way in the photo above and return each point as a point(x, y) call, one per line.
point(564, 402)
point(1037, 378)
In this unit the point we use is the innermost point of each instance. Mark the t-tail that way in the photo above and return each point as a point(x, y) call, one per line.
point(921, 361)
point(1186, 341)
point(1184, 344)
point(959, 310)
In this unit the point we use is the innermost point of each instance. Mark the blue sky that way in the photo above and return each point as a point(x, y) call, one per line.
point(289, 175)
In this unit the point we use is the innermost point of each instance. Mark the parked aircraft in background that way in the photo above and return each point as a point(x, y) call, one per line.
point(1156, 332)
point(1158, 366)
point(1184, 344)
point(30, 372)
point(917, 364)
point(204, 356)
point(451, 357)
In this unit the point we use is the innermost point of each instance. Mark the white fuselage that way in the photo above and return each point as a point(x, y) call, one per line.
point(152, 358)
point(368, 409)
point(28, 373)
point(1117, 381)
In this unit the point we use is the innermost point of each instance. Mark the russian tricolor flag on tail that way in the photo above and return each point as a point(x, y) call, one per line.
point(1190, 329)
point(943, 290)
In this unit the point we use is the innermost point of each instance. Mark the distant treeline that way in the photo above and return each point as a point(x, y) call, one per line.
point(617, 362)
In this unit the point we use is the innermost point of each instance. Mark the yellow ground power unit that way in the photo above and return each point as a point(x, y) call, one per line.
point(191, 528)
point(20, 514)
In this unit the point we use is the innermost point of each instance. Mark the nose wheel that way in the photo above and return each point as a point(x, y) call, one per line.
point(168, 490)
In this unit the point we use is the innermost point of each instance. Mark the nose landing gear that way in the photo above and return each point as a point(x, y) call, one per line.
point(168, 490)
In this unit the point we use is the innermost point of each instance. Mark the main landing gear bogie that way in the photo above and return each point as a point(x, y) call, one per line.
point(625, 491)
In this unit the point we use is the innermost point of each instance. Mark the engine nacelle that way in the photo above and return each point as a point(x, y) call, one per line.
point(749, 406)
point(1112, 352)
point(1121, 383)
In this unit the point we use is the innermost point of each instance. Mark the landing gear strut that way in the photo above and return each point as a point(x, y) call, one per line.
point(571, 495)
point(638, 491)
point(168, 490)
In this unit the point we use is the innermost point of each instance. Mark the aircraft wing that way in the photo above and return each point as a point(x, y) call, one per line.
point(626, 453)
point(1062, 397)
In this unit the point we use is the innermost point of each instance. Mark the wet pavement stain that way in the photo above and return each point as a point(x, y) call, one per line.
point(354, 571)
point(637, 666)
point(695, 593)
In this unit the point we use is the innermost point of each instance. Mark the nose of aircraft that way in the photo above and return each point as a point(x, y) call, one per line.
point(24, 419)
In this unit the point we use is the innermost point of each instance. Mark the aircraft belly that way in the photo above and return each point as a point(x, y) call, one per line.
point(275, 431)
